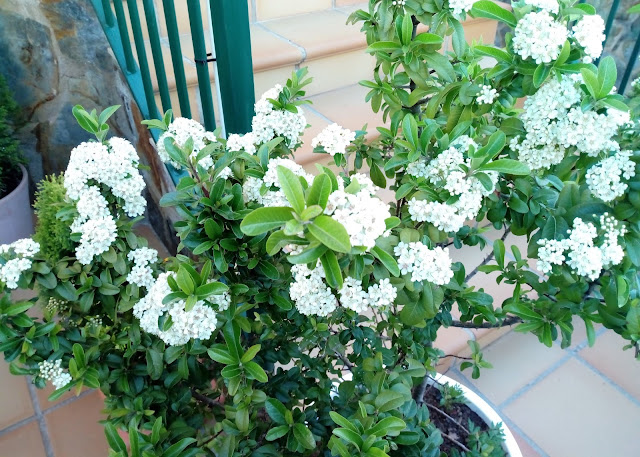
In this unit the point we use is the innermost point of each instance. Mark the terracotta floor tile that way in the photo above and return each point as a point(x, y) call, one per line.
point(15, 402)
point(348, 108)
point(517, 359)
point(579, 335)
point(618, 365)
point(523, 444)
point(270, 9)
point(333, 72)
point(310, 32)
point(25, 441)
point(43, 396)
point(470, 256)
point(574, 412)
point(452, 340)
point(74, 428)
point(271, 51)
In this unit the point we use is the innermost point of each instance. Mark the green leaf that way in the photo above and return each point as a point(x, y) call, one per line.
point(107, 113)
point(277, 432)
point(591, 81)
point(428, 38)
point(78, 354)
point(256, 372)
point(383, 46)
point(541, 74)
point(349, 436)
point(342, 421)
point(309, 255)
point(331, 233)
point(211, 288)
point(377, 177)
point(622, 287)
point(387, 426)
point(231, 333)
point(311, 212)
point(413, 313)
point(115, 442)
point(262, 220)
point(176, 449)
point(607, 75)
point(290, 185)
point(220, 354)
point(407, 29)
point(304, 436)
point(134, 441)
point(490, 10)
point(499, 251)
point(318, 193)
point(212, 229)
point(499, 54)
point(185, 281)
point(507, 166)
point(634, 9)
point(155, 363)
point(251, 353)
point(388, 400)
point(410, 130)
point(203, 247)
point(332, 271)
point(387, 260)
point(276, 410)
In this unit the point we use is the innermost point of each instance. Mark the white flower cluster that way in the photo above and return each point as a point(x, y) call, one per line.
point(605, 178)
point(199, 322)
point(180, 130)
point(539, 36)
point(589, 33)
point(487, 95)
point(114, 166)
point(398, 2)
point(253, 190)
point(269, 123)
point(55, 305)
point(334, 139)
point(554, 121)
point(53, 371)
point(355, 298)
point(141, 273)
point(362, 214)
point(223, 301)
point(433, 265)
point(246, 143)
point(547, 5)
point(457, 7)
point(310, 293)
point(580, 251)
point(94, 321)
point(21, 253)
point(445, 171)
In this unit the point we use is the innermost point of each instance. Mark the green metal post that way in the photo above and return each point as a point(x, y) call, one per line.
point(108, 14)
point(202, 65)
point(233, 57)
point(124, 36)
point(630, 65)
point(156, 51)
point(134, 18)
point(176, 57)
point(610, 18)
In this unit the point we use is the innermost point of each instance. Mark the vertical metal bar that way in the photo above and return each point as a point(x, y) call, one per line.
point(143, 63)
point(176, 57)
point(108, 14)
point(202, 66)
point(235, 69)
point(630, 65)
point(610, 18)
point(156, 51)
point(216, 76)
point(124, 36)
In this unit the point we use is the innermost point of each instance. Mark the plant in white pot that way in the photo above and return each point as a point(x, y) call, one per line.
point(15, 213)
point(291, 283)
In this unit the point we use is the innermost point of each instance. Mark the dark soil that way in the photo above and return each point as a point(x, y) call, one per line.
point(460, 415)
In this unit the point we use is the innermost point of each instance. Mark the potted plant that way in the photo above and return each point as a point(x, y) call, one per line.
point(300, 316)
point(15, 212)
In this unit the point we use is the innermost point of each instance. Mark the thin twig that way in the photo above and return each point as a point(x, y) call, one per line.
point(449, 417)
point(457, 357)
point(455, 441)
point(419, 396)
point(348, 364)
point(511, 320)
point(204, 399)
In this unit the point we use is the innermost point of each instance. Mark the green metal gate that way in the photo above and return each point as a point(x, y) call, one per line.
point(231, 59)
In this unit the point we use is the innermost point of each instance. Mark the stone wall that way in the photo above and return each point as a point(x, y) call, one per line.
point(54, 55)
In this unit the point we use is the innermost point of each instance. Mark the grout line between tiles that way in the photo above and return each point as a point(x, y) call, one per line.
point(617, 387)
point(318, 113)
point(42, 425)
point(302, 50)
point(67, 401)
point(523, 390)
point(509, 423)
point(16, 425)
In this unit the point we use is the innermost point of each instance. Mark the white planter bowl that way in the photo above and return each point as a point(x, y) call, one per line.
point(16, 220)
point(486, 412)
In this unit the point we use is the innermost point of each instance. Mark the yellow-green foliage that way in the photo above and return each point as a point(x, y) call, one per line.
point(52, 233)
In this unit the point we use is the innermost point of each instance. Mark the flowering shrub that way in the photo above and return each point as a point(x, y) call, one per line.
point(301, 318)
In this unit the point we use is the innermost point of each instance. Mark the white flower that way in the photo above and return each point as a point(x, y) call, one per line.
point(19, 255)
point(539, 36)
point(334, 139)
point(244, 143)
point(269, 123)
point(424, 264)
point(96, 237)
point(589, 33)
point(487, 95)
point(355, 298)
point(605, 178)
point(53, 371)
point(25, 247)
point(180, 130)
point(223, 301)
point(198, 323)
point(272, 195)
point(547, 5)
point(142, 273)
point(457, 7)
point(308, 290)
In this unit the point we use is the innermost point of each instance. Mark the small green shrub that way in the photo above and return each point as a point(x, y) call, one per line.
point(53, 233)
point(10, 154)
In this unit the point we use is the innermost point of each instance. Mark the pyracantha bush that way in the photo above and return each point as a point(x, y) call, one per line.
point(301, 318)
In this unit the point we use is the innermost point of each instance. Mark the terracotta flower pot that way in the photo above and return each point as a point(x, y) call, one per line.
point(16, 220)
point(486, 412)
